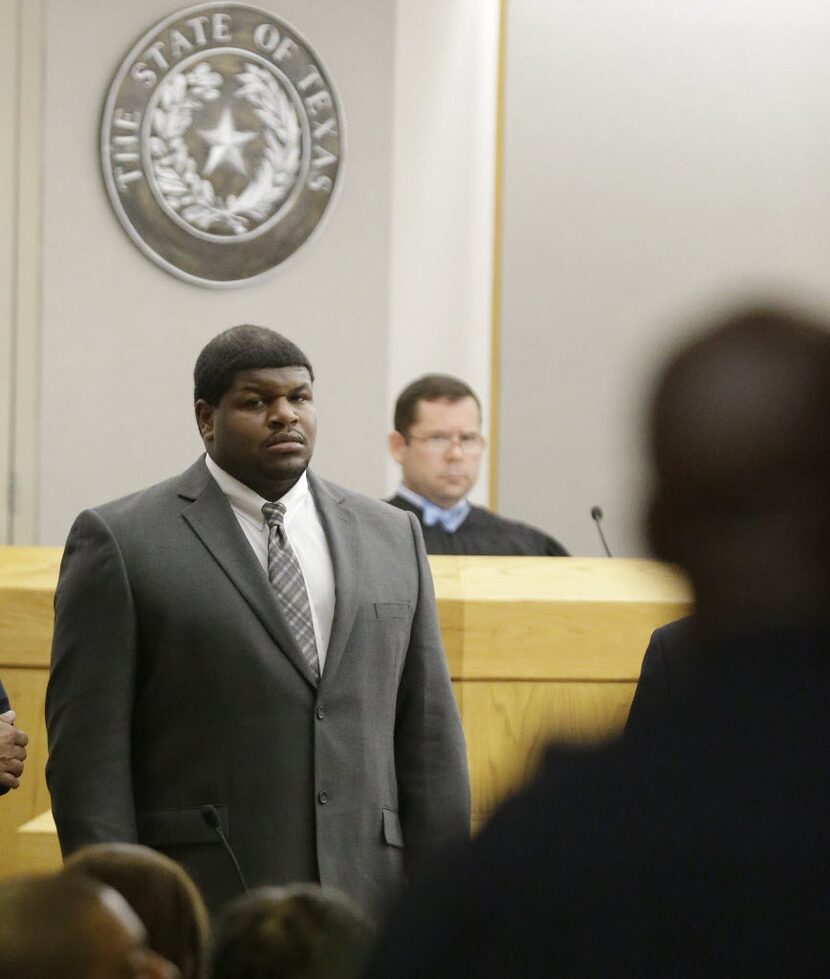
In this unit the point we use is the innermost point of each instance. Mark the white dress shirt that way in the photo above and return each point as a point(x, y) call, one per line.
point(305, 534)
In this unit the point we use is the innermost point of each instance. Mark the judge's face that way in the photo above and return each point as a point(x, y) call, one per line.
point(263, 430)
point(441, 454)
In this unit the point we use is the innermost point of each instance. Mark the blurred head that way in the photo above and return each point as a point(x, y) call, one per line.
point(160, 892)
point(298, 932)
point(254, 404)
point(437, 439)
point(740, 441)
point(74, 928)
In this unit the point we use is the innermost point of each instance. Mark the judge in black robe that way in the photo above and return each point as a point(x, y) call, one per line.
point(438, 444)
point(482, 532)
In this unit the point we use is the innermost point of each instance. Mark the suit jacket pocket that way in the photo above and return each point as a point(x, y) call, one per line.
point(392, 832)
point(179, 827)
point(392, 610)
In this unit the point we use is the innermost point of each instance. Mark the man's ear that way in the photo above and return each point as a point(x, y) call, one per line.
point(397, 446)
point(204, 419)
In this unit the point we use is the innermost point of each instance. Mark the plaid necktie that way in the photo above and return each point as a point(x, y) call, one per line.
point(287, 580)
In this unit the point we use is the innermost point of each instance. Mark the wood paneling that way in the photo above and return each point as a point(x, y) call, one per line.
point(552, 618)
point(28, 576)
point(508, 723)
point(38, 850)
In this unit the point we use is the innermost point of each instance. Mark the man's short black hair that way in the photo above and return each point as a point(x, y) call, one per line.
point(242, 348)
point(430, 387)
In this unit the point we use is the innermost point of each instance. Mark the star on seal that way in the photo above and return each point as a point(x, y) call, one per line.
point(225, 142)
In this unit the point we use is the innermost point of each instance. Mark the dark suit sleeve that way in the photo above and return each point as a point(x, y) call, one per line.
point(651, 708)
point(430, 753)
point(89, 699)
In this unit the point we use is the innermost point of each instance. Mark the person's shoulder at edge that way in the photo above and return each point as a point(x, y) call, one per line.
point(487, 520)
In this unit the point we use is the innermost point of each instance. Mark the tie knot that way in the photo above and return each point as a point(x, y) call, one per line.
point(274, 514)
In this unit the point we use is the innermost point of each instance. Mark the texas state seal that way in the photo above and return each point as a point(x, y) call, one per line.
point(221, 143)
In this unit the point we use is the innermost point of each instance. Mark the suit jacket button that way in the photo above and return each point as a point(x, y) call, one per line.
point(321, 712)
point(322, 797)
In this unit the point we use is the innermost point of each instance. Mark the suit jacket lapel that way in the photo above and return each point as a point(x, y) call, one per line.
point(212, 520)
point(340, 526)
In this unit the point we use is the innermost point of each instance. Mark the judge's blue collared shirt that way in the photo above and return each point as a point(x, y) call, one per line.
point(431, 514)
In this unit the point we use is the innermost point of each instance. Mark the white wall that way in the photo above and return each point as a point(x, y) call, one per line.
point(660, 157)
point(120, 336)
point(443, 197)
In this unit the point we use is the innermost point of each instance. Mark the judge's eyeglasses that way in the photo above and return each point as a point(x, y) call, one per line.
point(471, 443)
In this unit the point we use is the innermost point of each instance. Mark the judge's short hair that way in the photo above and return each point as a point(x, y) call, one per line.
point(430, 387)
point(242, 348)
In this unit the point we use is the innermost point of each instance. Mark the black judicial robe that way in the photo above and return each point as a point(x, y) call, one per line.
point(485, 533)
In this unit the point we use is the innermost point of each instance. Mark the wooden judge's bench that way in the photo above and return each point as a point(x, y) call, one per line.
point(538, 648)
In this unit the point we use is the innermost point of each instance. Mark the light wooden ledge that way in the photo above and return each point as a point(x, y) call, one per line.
point(37, 845)
point(28, 576)
point(552, 618)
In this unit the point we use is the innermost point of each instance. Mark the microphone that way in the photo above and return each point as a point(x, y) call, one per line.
point(211, 817)
point(596, 516)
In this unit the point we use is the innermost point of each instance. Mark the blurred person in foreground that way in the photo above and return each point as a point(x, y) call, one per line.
point(68, 927)
point(12, 746)
point(438, 444)
point(703, 851)
point(765, 563)
point(163, 896)
point(297, 932)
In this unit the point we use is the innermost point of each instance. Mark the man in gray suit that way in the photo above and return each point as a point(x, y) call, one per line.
point(246, 660)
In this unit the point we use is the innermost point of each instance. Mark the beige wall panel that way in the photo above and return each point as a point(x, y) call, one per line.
point(9, 55)
point(26, 366)
point(660, 159)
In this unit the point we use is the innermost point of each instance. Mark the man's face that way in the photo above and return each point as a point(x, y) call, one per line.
point(263, 430)
point(446, 474)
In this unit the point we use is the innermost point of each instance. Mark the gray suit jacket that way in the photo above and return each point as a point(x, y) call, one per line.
point(176, 684)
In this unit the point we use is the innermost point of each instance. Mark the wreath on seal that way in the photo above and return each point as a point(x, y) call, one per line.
point(177, 177)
